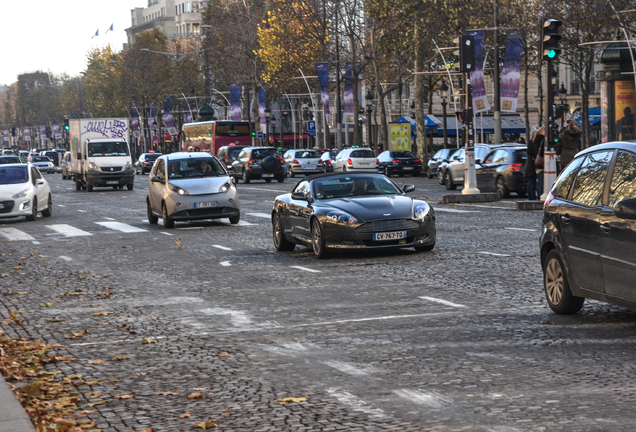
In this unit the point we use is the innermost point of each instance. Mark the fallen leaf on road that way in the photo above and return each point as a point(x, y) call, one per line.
point(186, 415)
point(47, 304)
point(72, 377)
point(145, 430)
point(103, 324)
point(200, 388)
point(196, 396)
point(76, 335)
point(151, 319)
point(126, 247)
point(121, 358)
point(102, 313)
point(287, 400)
point(99, 277)
point(94, 395)
point(92, 404)
point(223, 354)
point(86, 412)
point(141, 373)
point(54, 320)
point(96, 361)
point(203, 424)
point(168, 393)
point(226, 413)
point(178, 242)
point(115, 380)
point(148, 341)
point(124, 397)
point(4, 275)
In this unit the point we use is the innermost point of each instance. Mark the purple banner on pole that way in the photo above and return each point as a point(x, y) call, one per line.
point(5, 134)
point(480, 98)
point(236, 113)
point(348, 111)
point(187, 116)
point(168, 119)
point(322, 70)
point(57, 133)
point(511, 72)
point(27, 134)
point(261, 108)
point(134, 119)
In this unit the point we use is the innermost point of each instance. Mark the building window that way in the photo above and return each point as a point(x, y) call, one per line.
point(196, 29)
point(188, 10)
point(176, 10)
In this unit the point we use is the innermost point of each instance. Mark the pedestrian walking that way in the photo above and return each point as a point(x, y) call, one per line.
point(569, 143)
point(530, 169)
point(538, 145)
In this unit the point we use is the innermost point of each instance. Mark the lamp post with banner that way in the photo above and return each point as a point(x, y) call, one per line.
point(369, 101)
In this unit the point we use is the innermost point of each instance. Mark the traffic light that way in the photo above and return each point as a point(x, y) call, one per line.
point(462, 116)
point(466, 52)
point(550, 39)
point(66, 126)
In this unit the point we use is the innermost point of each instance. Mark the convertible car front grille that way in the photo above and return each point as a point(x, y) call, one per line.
point(388, 225)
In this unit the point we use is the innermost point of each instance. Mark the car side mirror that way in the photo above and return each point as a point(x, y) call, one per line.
point(626, 209)
point(478, 161)
point(408, 188)
point(40, 182)
point(299, 196)
point(157, 179)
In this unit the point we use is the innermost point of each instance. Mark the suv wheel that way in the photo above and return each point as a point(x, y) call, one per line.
point(448, 181)
point(440, 176)
point(428, 174)
point(34, 210)
point(557, 288)
point(502, 189)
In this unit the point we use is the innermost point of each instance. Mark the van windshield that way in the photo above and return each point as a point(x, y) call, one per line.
point(104, 149)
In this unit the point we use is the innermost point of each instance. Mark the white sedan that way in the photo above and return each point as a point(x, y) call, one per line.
point(43, 163)
point(24, 192)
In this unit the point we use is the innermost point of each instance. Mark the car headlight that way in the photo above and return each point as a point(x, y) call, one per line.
point(21, 194)
point(421, 211)
point(128, 165)
point(339, 216)
point(180, 191)
point(92, 166)
point(226, 187)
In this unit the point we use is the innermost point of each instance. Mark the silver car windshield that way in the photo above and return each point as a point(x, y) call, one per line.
point(195, 168)
point(347, 186)
point(13, 175)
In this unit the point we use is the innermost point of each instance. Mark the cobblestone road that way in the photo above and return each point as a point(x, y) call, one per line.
point(456, 339)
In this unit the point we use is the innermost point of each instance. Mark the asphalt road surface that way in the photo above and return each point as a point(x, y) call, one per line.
point(459, 338)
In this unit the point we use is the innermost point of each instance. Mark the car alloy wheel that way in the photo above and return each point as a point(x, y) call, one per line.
point(151, 217)
point(448, 181)
point(318, 240)
point(280, 242)
point(557, 289)
point(502, 189)
point(34, 210)
point(48, 211)
point(440, 177)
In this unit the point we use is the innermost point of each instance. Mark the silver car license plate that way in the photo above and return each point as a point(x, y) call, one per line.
point(206, 204)
point(112, 182)
point(395, 235)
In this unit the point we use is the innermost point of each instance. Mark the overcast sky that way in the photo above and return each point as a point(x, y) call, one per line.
point(55, 36)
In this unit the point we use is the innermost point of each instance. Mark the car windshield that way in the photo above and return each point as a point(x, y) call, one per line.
point(194, 168)
point(9, 160)
point(347, 186)
point(402, 154)
point(306, 154)
point(366, 153)
point(51, 155)
point(13, 175)
point(263, 153)
point(152, 156)
point(103, 149)
point(40, 159)
point(233, 152)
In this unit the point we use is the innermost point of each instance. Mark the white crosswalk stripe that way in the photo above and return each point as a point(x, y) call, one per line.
point(118, 226)
point(68, 230)
point(13, 234)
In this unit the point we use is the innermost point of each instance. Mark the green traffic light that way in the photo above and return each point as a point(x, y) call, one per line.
point(551, 54)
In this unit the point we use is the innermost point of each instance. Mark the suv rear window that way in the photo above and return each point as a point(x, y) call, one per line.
point(362, 154)
point(263, 153)
point(521, 156)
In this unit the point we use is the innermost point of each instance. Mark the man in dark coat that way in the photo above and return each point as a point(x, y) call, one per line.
point(569, 143)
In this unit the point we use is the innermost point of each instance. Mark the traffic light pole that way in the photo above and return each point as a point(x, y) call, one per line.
point(470, 176)
point(549, 164)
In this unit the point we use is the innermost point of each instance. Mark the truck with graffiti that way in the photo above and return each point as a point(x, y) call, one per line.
point(100, 153)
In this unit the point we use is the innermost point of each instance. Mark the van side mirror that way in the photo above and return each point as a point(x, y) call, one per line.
point(626, 209)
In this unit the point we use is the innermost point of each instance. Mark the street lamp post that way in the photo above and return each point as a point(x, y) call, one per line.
point(562, 93)
point(274, 130)
point(268, 113)
point(443, 92)
point(369, 100)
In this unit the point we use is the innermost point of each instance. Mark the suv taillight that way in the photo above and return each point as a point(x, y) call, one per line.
point(350, 162)
point(417, 161)
point(250, 161)
point(515, 167)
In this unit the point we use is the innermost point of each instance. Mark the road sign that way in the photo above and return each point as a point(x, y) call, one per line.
point(155, 137)
point(311, 128)
point(259, 134)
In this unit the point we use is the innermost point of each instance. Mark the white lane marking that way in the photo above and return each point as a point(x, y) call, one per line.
point(190, 228)
point(118, 226)
point(35, 242)
point(349, 369)
point(116, 341)
point(306, 269)
point(521, 229)
point(65, 258)
point(450, 210)
point(355, 403)
point(221, 247)
point(493, 254)
point(165, 233)
point(261, 215)
point(237, 318)
point(430, 399)
point(107, 218)
point(225, 263)
point(82, 211)
point(268, 190)
point(13, 234)
point(68, 230)
point(243, 223)
point(487, 206)
point(444, 302)
point(60, 205)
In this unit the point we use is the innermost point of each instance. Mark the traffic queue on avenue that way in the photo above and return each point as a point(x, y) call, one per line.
point(586, 245)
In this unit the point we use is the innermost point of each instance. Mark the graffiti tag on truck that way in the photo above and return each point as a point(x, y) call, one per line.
point(108, 128)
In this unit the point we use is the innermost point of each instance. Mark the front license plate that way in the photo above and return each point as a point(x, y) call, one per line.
point(396, 235)
point(407, 168)
point(268, 175)
point(206, 204)
point(112, 182)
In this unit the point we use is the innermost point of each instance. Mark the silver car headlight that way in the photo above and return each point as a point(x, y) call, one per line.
point(226, 187)
point(421, 211)
point(92, 166)
point(340, 216)
point(21, 194)
point(178, 190)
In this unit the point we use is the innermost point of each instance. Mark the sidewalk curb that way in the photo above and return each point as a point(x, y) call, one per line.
point(13, 418)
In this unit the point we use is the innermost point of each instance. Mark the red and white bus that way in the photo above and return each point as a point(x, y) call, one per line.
point(209, 136)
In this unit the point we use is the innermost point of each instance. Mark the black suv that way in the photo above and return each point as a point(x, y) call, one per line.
point(259, 163)
point(589, 230)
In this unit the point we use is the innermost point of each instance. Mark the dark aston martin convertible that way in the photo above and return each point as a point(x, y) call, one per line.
point(351, 211)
